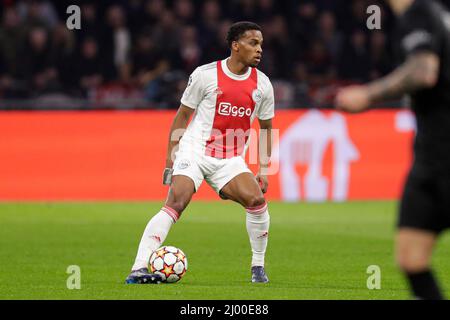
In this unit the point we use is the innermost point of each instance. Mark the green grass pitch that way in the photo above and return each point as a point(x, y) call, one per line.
point(316, 251)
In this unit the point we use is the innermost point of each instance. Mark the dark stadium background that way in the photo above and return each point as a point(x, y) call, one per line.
point(138, 54)
point(84, 124)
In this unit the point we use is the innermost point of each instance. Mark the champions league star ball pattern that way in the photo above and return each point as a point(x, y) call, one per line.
point(169, 262)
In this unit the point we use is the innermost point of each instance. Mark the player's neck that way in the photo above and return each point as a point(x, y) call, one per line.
point(236, 66)
point(400, 6)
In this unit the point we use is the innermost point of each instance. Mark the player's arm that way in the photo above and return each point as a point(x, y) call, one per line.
point(179, 124)
point(192, 96)
point(420, 71)
point(264, 152)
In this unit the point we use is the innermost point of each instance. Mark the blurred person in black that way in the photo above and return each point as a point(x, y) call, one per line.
point(153, 10)
point(355, 58)
point(167, 35)
point(244, 10)
point(357, 18)
point(211, 13)
point(37, 66)
point(280, 44)
point(89, 68)
point(218, 47)
point(423, 41)
point(319, 61)
point(328, 33)
point(380, 61)
point(300, 79)
point(41, 13)
point(90, 26)
point(62, 54)
point(147, 65)
point(12, 40)
point(116, 44)
point(134, 10)
point(189, 50)
point(305, 15)
point(184, 11)
point(5, 79)
point(266, 9)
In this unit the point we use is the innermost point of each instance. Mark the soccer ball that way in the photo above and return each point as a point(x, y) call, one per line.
point(169, 262)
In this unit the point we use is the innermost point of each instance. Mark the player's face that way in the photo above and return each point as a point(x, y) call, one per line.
point(399, 6)
point(250, 47)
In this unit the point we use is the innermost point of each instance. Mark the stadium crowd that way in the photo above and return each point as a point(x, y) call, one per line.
point(139, 53)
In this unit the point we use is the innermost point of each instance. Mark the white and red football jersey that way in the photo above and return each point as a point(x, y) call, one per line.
point(225, 106)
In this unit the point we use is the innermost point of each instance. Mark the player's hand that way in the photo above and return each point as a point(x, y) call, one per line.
point(353, 99)
point(167, 176)
point(263, 182)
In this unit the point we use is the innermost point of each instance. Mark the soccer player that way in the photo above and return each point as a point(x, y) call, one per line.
point(424, 44)
point(224, 97)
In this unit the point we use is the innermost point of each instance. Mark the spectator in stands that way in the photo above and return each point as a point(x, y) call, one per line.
point(280, 43)
point(356, 18)
point(329, 35)
point(135, 13)
point(148, 65)
point(265, 10)
point(209, 22)
point(90, 23)
point(355, 58)
point(320, 64)
point(305, 17)
point(116, 48)
point(218, 48)
point(301, 86)
point(39, 13)
point(6, 81)
point(38, 68)
point(244, 10)
point(89, 67)
point(380, 63)
point(62, 54)
point(167, 34)
point(190, 51)
point(184, 34)
point(12, 40)
point(184, 12)
point(153, 12)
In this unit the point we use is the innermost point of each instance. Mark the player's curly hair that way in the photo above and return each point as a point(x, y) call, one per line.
point(238, 29)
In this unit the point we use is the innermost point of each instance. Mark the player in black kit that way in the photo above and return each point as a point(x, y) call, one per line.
point(423, 39)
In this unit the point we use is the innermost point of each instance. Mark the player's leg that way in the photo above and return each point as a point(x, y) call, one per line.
point(180, 193)
point(179, 196)
point(414, 249)
point(245, 190)
point(418, 226)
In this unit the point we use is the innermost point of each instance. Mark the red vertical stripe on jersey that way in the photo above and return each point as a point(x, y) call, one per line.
point(234, 108)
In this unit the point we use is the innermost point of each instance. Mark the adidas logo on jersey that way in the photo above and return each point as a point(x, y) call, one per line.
point(218, 91)
point(226, 109)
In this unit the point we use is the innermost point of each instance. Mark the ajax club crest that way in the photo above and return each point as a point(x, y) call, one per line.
point(257, 95)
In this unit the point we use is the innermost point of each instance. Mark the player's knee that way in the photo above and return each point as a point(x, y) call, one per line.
point(411, 262)
point(177, 206)
point(255, 201)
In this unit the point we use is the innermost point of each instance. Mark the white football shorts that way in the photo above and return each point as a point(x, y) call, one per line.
point(198, 166)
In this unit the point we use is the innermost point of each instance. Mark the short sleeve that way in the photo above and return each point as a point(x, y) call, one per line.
point(420, 33)
point(266, 110)
point(193, 94)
